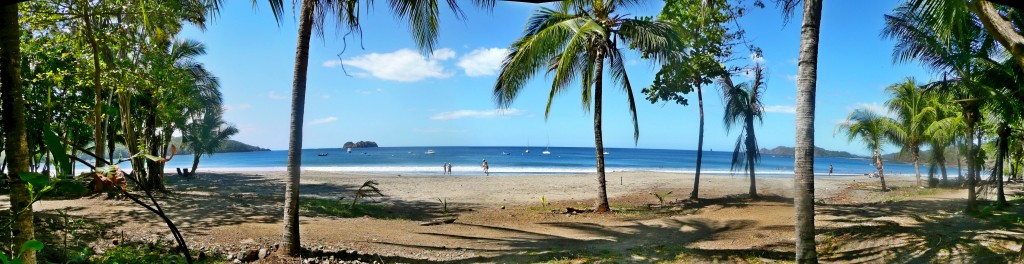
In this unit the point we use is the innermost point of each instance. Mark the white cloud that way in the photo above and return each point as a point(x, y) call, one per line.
point(403, 65)
point(275, 96)
point(786, 109)
point(443, 54)
point(878, 108)
point(758, 59)
point(237, 107)
point(791, 77)
point(324, 120)
point(482, 61)
point(476, 114)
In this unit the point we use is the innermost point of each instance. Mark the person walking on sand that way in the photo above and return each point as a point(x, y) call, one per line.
point(486, 167)
point(830, 170)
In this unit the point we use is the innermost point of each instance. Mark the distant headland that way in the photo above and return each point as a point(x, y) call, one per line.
point(819, 152)
point(360, 144)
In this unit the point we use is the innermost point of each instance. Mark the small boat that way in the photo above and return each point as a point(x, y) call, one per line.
point(322, 154)
point(545, 152)
point(504, 153)
point(430, 152)
point(606, 153)
point(349, 150)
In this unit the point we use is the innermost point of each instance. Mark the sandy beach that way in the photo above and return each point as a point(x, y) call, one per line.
point(501, 219)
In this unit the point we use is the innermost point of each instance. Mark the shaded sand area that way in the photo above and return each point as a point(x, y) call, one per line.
point(501, 219)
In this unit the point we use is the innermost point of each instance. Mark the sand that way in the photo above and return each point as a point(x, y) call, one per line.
point(501, 218)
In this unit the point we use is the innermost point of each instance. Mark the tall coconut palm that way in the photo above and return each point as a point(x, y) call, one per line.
point(313, 15)
point(574, 42)
point(15, 141)
point(913, 111)
point(803, 158)
point(874, 130)
point(1003, 108)
point(742, 106)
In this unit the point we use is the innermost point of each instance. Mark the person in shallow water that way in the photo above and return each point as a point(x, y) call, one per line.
point(830, 170)
point(486, 167)
point(449, 169)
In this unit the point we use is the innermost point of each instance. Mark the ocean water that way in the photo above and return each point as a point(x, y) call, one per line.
point(514, 161)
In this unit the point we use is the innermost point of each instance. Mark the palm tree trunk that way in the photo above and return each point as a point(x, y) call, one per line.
point(972, 196)
point(916, 155)
point(881, 168)
point(195, 164)
point(290, 242)
point(751, 151)
point(959, 163)
point(1004, 134)
point(97, 109)
point(940, 156)
point(700, 144)
point(13, 115)
point(602, 190)
point(803, 160)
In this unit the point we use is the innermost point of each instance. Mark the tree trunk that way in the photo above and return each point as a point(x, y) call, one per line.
point(700, 144)
point(1004, 136)
point(290, 242)
point(751, 151)
point(97, 109)
point(602, 191)
point(1000, 28)
point(881, 169)
point(959, 163)
point(195, 164)
point(803, 160)
point(915, 153)
point(940, 156)
point(972, 196)
point(13, 115)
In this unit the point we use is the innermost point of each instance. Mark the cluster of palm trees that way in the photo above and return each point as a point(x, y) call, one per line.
point(975, 109)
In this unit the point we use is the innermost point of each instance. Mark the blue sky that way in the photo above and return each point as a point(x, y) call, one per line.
point(397, 96)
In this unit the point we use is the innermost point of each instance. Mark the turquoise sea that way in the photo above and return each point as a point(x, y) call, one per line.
point(516, 161)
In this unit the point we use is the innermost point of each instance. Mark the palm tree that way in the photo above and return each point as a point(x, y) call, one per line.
point(874, 130)
point(575, 46)
point(206, 135)
point(313, 14)
point(803, 158)
point(913, 111)
point(1003, 108)
point(15, 141)
point(742, 105)
point(943, 132)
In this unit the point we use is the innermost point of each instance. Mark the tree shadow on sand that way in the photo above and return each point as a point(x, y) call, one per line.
point(932, 231)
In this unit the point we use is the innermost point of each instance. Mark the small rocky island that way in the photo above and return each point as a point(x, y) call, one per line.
point(360, 144)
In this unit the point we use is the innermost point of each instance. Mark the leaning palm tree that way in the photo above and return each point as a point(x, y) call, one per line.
point(313, 15)
point(803, 158)
point(574, 42)
point(206, 135)
point(913, 111)
point(742, 106)
point(874, 130)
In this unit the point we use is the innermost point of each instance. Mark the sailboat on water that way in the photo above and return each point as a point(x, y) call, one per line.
point(546, 150)
point(527, 147)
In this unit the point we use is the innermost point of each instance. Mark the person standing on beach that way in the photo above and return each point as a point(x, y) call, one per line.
point(830, 170)
point(449, 169)
point(444, 168)
point(486, 167)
